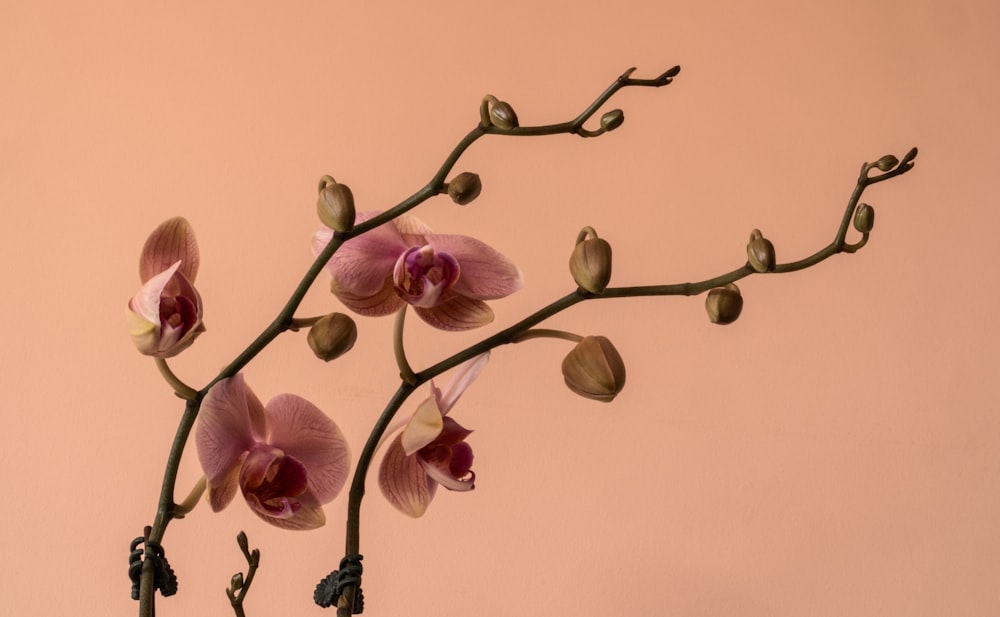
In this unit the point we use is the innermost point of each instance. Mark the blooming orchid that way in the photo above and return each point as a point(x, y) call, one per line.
point(446, 278)
point(431, 449)
point(164, 317)
point(288, 458)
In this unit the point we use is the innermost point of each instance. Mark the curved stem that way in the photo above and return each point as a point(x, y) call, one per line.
point(181, 509)
point(546, 333)
point(181, 389)
point(357, 491)
point(405, 372)
point(297, 323)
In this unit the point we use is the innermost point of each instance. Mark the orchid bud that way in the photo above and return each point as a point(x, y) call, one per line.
point(760, 252)
point(887, 162)
point(464, 188)
point(335, 205)
point(502, 116)
point(332, 336)
point(864, 218)
point(612, 119)
point(594, 369)
point(590, 263)
point(724, 304)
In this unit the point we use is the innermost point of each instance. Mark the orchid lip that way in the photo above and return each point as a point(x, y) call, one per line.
point(421, 276)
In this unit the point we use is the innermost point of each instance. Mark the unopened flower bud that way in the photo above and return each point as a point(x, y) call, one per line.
point(864, 218)
point(502, 116)
point(335, 205)
point(590, 263)
point(724, 304)
point(464, 188)
point(332, 336)
point(887, 162)
point(594, 369)
point(612, 119)
point(760, 252)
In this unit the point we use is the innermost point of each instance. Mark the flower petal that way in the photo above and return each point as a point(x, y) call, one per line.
point(172, 241)
point(436, 462)
point(457, 313)
point(305, 433)
point(361, 265)
point(404, 482)
point(146, 302)
point(424, 426)
point(230, 422)
point(411, 228)
point(467, 373)
point(384, 302)
point(308, 515)
point(221, 495)
point(486, 273)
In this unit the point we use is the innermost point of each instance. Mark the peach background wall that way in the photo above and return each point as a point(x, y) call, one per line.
point(834, 452)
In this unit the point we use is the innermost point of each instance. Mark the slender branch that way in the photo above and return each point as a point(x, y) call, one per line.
point(405, 372)
point(522, 330)
point(181, 389)
point(240, 585)
point(181, 509)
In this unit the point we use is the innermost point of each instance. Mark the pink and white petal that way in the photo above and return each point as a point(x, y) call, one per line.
point(362, 264)
point(230, 416)
point(305, 433)
point(423, 428)
point(145, 334)
point(467, 373)
point(412, 227)
point(223, 489)
point(172, 241)
point(404, 482)
point(452, 432)
point(146, 302)
point(486, 273)
point(457, 313)
point(385, 302)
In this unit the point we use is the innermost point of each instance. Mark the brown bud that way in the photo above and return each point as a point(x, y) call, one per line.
point(332, 336)
point(335, 205)
point(590, 263)
point(502, 116)
point(464, 188)
point(594, 369)
point(724, 304)
point(612, 119)
point(887, 162)
point(864, 218)
point(760, 252)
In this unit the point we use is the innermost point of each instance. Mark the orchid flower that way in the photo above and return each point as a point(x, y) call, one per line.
point(431, 448)
point(288, 458)
point(164, 317)
point(446, 278)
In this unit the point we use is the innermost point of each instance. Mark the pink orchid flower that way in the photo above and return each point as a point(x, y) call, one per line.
point(446, 278)
point(288, 458)
point(164, 317)
point(431, 449)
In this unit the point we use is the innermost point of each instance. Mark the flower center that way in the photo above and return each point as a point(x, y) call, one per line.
point(274, 479)
point(421, 276)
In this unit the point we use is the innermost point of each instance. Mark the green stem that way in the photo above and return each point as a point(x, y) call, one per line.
point(405, 372)
point(181, 389)
point(546, 333)
point(181, 510)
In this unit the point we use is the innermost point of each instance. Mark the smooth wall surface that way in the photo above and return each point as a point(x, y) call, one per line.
point(836, 451)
